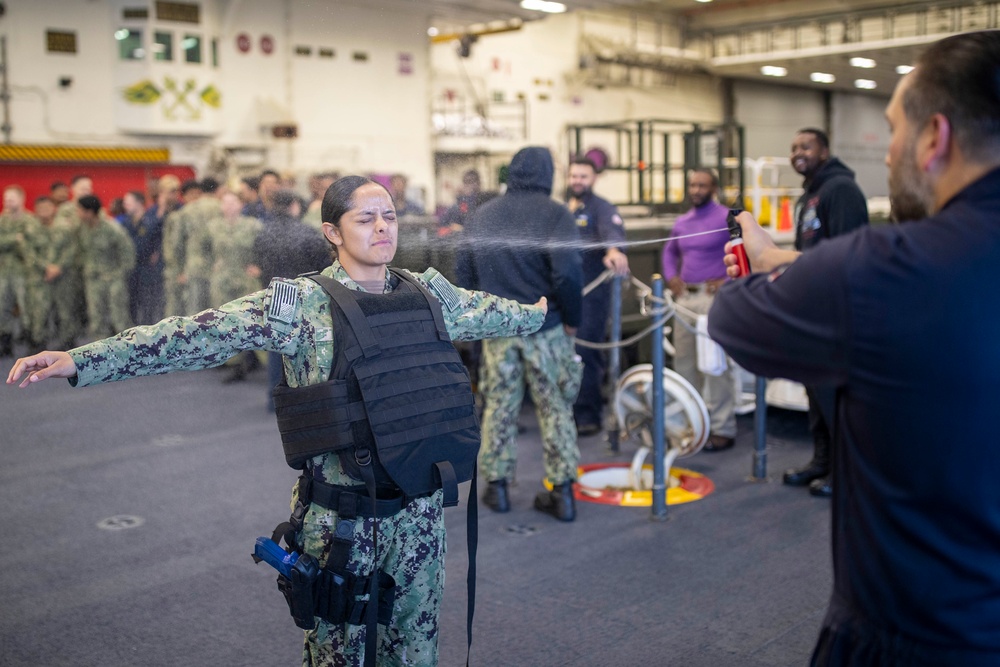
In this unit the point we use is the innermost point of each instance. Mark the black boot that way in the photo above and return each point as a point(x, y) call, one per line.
point(821, 488)
point(817, 468)
point(804, 476)
point(495, 496)
point(558, 502)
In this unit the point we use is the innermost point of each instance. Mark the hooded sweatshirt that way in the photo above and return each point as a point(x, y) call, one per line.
point(524, 245)
point(832, 205)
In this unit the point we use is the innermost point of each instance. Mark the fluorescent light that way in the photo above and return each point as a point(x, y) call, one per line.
point(822, 77)
point(904, 69)
point(122, 34)
point(865, 84)
point(703, 0)
point(432, 32)
point(773, 70)
point(544, 6)
point(864, 63)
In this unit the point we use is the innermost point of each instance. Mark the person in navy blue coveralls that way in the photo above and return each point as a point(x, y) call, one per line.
point(901, 321)
point(598, 222)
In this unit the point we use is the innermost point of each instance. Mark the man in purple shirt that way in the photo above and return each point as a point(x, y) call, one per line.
point(694, 272)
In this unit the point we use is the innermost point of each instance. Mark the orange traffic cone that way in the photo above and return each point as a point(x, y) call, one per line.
point(785, 216)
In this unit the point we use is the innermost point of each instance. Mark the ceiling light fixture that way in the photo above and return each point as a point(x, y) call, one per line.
point(432, 32)
point(544, 6)
point(904, 69)
point(864, 63)
point(773, 70)
point(822, 77)
point(865, 84)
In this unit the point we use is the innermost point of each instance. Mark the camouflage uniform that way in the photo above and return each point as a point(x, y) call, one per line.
point(17, 260)
point(548, 362)
point(197, 216)
point(231, 250)
point(412, 543)
point(67, 289)
point(108, 255)
point(43, 241)
point(174, 254)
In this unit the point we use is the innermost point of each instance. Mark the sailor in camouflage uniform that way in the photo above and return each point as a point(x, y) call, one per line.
point(68, 289)
point(198, 256)
point(108, 257)
point(17, 261)
point(47, 241)
point(228, 240)
point(294, 318)
point(183, 297)
point(546, 261)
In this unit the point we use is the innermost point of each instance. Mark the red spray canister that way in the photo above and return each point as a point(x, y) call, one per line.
point(736, 239)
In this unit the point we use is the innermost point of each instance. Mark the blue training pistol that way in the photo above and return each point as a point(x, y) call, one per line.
point(266, 550)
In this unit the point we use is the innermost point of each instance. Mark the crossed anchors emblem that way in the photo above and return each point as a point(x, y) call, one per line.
point(177, 102)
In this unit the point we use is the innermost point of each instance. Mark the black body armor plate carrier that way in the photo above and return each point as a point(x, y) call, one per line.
point(398, 394)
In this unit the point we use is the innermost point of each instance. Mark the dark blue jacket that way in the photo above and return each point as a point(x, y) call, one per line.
point(902, 320)
point(524, 245)
point(598, 222)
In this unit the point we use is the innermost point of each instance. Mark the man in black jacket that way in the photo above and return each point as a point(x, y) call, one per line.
point(831, 205)
point(901, 320)
point(523, 246)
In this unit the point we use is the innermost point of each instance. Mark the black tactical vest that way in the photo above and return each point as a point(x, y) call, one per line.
point(398, 394)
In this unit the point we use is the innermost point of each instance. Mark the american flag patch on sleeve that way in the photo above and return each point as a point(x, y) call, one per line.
point(446, 293)
point(284, 296)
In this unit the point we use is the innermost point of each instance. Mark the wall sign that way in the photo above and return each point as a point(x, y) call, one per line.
point(267, 44)
point(243, 42)
point(405, 63)
point(185, 12)
point(59, 41)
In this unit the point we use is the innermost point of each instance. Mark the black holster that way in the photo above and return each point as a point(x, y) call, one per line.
point(336, 598)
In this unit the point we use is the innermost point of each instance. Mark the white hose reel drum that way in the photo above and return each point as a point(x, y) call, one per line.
point(685, 418)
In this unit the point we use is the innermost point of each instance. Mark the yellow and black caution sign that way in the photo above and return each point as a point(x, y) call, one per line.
point(83, 154)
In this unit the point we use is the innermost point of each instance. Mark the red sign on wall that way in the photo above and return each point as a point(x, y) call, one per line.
point(243, 42)
point(267, 44)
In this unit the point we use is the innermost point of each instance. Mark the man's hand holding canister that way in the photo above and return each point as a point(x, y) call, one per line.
point(761, 250)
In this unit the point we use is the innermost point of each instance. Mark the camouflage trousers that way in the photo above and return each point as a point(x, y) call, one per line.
point(107, 306)
point(547, 362)
point(411, 547)
point(13, 293)
point(66, 297)
point(39, 309)
point(175, 295)
point(199, 296)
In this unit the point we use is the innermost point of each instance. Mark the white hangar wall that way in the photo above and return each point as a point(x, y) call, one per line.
point(859, 134)
point(363, 109)
point(546, 66)
point(364, 88)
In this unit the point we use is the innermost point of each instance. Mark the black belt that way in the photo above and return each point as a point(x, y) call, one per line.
point(353, 500)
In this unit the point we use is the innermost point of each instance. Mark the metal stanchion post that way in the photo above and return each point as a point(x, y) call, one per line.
point(759, 473)
point(614, 359)
point(659, 450)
